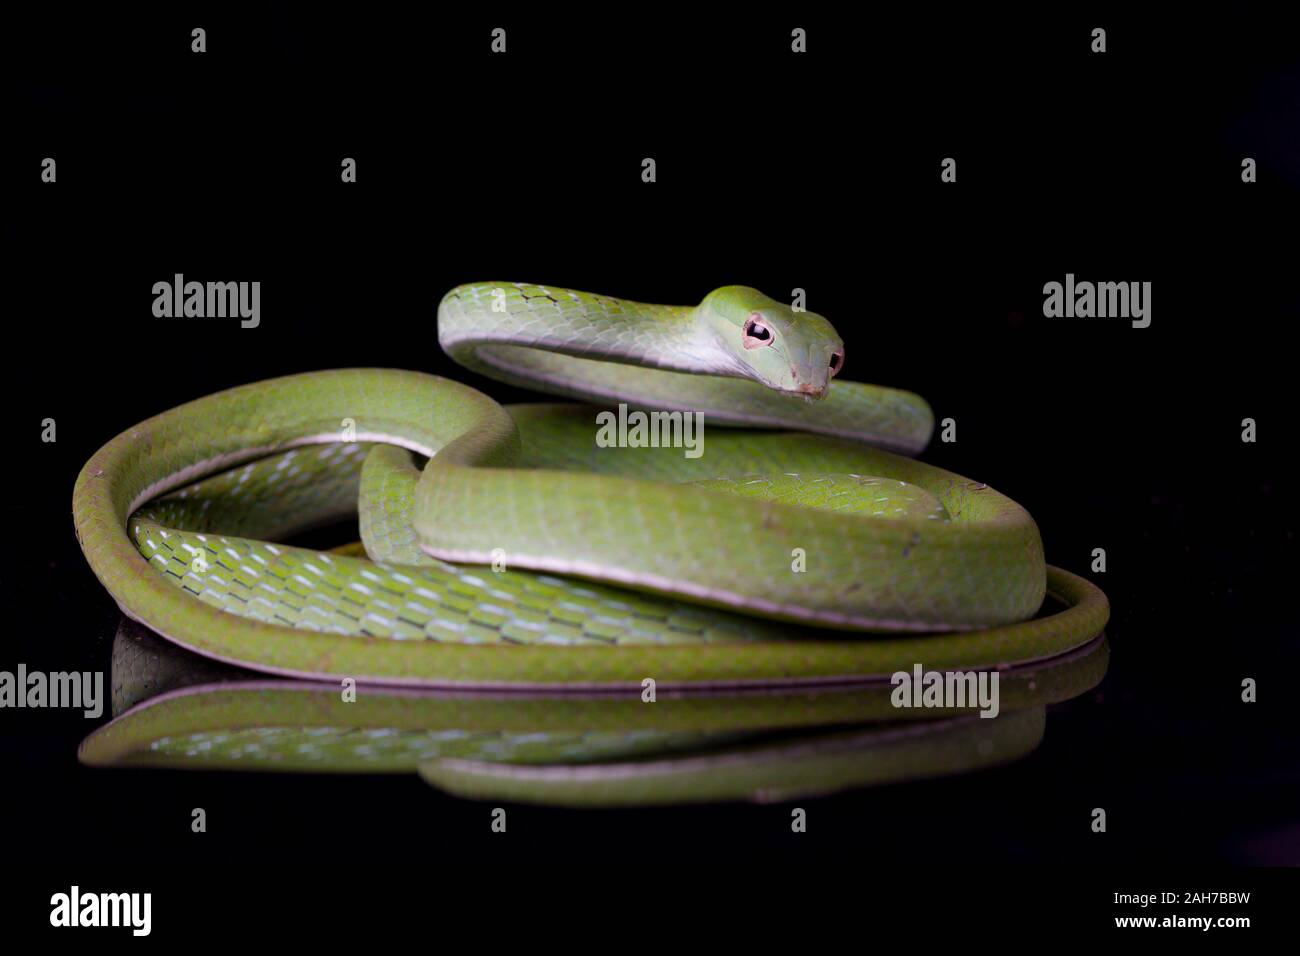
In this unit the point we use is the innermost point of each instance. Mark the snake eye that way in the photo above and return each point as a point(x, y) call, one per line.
point(756, 333)
point(837, 362)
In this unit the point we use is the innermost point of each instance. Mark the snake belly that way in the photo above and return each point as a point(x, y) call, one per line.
point(504, 547)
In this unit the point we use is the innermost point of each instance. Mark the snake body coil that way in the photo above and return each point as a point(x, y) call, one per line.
point(750, 564)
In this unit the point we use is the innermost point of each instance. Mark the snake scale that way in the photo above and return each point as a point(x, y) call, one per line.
point(504, 546)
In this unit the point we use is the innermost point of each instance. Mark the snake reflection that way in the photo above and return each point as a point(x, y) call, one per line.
point(175, 710)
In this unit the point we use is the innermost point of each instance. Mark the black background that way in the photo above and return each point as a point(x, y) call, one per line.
point(774, 170)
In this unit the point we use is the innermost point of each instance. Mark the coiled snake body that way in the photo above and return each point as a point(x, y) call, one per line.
point(761, 561)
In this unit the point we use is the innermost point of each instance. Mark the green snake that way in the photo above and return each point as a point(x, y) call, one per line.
point(508, 547)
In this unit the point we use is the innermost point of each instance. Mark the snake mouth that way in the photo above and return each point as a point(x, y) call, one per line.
point(807, 391)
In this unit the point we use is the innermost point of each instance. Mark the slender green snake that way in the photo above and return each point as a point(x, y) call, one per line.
point(524, 553)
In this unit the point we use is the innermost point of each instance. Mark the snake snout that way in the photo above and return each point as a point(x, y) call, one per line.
point(808, 383)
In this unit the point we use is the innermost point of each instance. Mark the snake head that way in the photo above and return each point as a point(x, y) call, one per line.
point(793, 352)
